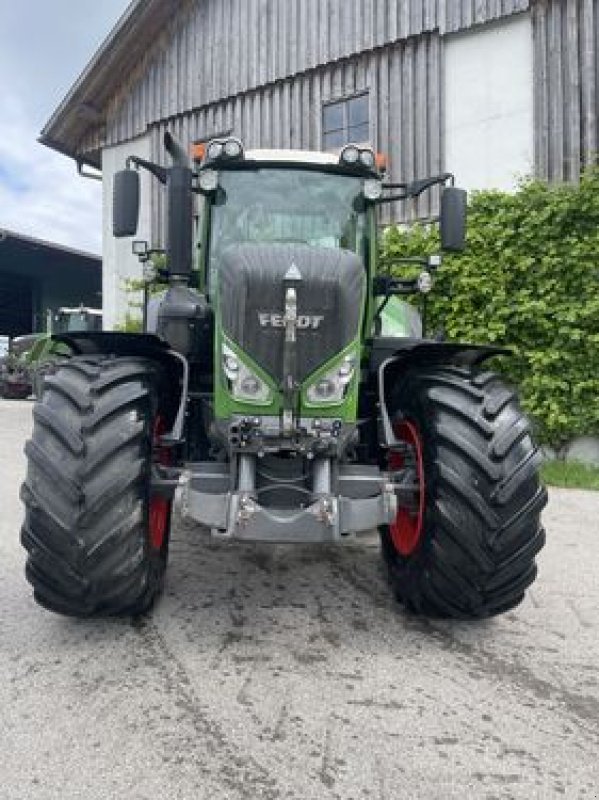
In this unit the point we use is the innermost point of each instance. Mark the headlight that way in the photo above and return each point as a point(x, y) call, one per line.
point(215, 150)
point(233, 148)
point(208, 180)
point(425, 282)
point(355, 156)
point(224, 148)
point(243, 382)
point(332, 386)
point(373, 189)
point(350, 154)
point(367, 158)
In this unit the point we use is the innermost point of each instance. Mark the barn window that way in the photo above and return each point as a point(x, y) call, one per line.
point(345, 121)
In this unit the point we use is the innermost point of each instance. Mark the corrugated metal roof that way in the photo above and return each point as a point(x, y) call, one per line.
point(6, 235)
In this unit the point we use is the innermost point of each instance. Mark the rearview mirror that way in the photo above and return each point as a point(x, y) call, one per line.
point(453, 219)
point(125, 203)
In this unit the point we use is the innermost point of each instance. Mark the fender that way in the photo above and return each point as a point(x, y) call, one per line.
point(145, 345)
point(390, 356)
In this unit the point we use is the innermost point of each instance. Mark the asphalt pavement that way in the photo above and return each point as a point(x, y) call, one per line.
point(273, 672)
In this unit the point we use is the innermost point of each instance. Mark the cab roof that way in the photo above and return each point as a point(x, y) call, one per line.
point(293, 156)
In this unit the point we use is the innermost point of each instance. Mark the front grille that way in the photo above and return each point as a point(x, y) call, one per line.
point(252, 299)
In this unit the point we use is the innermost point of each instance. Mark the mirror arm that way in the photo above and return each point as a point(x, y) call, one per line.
point(420, 260)
point(415, 188)
point(395, 185)
point(391, 199)
point(379, 311)
point(156, 170)
point(386, 286)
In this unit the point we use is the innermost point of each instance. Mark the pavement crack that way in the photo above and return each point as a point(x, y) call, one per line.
point(365, 584)
point(243, 697)
point(326, 774)
point(278, 734)
point(581, 620)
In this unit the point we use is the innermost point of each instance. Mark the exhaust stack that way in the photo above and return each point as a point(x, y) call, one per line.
point(179, 211)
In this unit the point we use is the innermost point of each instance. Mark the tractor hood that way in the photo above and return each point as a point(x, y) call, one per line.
point(330, 287)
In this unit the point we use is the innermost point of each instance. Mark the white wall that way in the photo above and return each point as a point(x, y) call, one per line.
point(118, 263)
point(489, 95)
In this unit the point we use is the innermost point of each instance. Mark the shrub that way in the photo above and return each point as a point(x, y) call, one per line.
point(529, 280)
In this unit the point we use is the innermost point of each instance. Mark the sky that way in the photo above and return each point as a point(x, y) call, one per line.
point(44, 47)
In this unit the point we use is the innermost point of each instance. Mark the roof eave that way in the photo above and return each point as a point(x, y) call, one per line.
point(92, 159)
point(44, 243)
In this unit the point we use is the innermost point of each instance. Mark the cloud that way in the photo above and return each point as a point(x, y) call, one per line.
point(41, 54)
point(41, 193)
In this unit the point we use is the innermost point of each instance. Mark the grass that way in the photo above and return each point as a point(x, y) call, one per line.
point(570, 475)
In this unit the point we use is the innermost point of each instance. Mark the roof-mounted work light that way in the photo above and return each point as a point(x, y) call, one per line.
point(229, 149)
point(354, 155)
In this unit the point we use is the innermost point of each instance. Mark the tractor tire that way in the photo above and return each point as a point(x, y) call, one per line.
point(464, 544)
point(97, 538)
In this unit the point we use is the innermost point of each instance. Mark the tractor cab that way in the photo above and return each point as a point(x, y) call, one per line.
point(289, 197)
point(289, 248)
point(74, 320)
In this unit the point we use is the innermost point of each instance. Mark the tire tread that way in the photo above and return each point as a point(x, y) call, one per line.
point(87, 479)
point(484, 499)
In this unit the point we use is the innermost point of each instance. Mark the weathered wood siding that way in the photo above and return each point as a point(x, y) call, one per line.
point(403, 82)
point(262, 69)
point(217, 49)
point(566, 45)
point(459, 15)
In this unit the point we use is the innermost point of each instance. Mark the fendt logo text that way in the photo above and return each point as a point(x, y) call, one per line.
point(304, 321)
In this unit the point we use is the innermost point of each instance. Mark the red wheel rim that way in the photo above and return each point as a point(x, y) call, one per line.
point(159, 507)
point(407, 527)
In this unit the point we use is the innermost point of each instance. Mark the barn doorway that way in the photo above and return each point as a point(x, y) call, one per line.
point(16, 305)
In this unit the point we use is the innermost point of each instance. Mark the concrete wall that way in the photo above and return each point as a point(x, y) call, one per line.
point(119, 264)
point(489, 104)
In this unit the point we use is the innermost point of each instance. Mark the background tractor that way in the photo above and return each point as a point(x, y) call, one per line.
point(77, 319)
point(26, 360)
point(285, 379)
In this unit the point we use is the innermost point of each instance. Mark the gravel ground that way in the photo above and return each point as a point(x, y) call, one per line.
point(268, 672)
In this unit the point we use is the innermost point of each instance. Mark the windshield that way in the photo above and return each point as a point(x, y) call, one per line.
point(288, 205)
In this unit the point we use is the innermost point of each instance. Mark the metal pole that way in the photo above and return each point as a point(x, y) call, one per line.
point(145, 307)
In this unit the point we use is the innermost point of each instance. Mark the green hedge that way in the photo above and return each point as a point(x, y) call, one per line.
point(529, 279)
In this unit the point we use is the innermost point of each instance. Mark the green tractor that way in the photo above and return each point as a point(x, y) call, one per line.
point(48, 350)
point(288, 388)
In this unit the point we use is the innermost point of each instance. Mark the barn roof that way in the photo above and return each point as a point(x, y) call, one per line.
point(11, 242)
